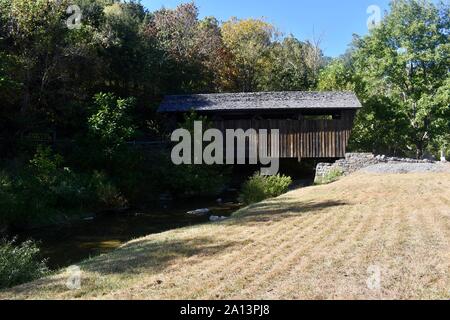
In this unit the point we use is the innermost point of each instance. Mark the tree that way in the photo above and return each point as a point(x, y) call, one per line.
point(378, 114)
point(9, 93)
point(51, 63)
point(192, 47)
point(287, 66)
point(405, 59)
point(249, 42)
point(36, 29)
point(337, 76)
point(111, 124)
point(129, 52)
point(399, 73)
point(440, 127)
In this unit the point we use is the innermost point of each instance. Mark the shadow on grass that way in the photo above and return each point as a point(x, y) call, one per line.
point(153, 256)
point(278, 209)
point(30, 289)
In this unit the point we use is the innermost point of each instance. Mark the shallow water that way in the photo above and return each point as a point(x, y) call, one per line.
point(68, 244)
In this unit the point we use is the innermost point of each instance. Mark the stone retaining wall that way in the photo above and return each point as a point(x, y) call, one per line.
point(356, 161)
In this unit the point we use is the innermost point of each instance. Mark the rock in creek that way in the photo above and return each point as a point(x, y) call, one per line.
point(216, 218)
point(199, 212)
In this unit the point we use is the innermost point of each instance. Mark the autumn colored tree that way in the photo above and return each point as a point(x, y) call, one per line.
point(193, 48)
point(249, 42)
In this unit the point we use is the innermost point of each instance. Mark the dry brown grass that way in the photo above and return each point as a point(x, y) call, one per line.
point(312, 243)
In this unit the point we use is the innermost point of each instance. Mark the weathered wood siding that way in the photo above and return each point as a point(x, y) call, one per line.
point(302, 138)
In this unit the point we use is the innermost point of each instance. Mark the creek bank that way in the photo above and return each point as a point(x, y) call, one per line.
point(74, 241)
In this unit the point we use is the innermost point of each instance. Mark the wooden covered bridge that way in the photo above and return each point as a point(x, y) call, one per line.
point(311, 124)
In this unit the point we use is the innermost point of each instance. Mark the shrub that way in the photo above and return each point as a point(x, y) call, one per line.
point(20, 263)
point(24, 197)
point(258, 188)
point(111, 124)
point(190, 179)
point(45, 164)
point(71, 190)
point(44, 188)
point(62, 187)
point(40, 191)
point(202, 180)
point(106, 193)
point(182, 180)
point(7, 199)
point(331, 176)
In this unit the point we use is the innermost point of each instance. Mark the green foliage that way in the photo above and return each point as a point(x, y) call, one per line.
point(258, 188)
point(249, 41)
point(19, 263)
point(191, 117)
point(331, 176)
point(33, 188)
point(28, 195)
point(337, 76)
point(7, 198)
point(400, 73)
point(44, 164)
point(7, 84)
point(440, 127)
point(193, 49)
point(291, 65)
point(49, 74)
point(405, 59)
point(191, 180)
point(260, 62)
point(111, 123)
point(42, 190)
point(106, 193)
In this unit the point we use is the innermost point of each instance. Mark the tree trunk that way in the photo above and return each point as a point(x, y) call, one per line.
point(26, 100)
point(419, 151)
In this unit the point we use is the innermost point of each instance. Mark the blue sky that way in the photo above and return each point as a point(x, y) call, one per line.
point(333, 21)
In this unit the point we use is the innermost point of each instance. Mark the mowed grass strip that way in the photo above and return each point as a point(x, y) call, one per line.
point(319, 242)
